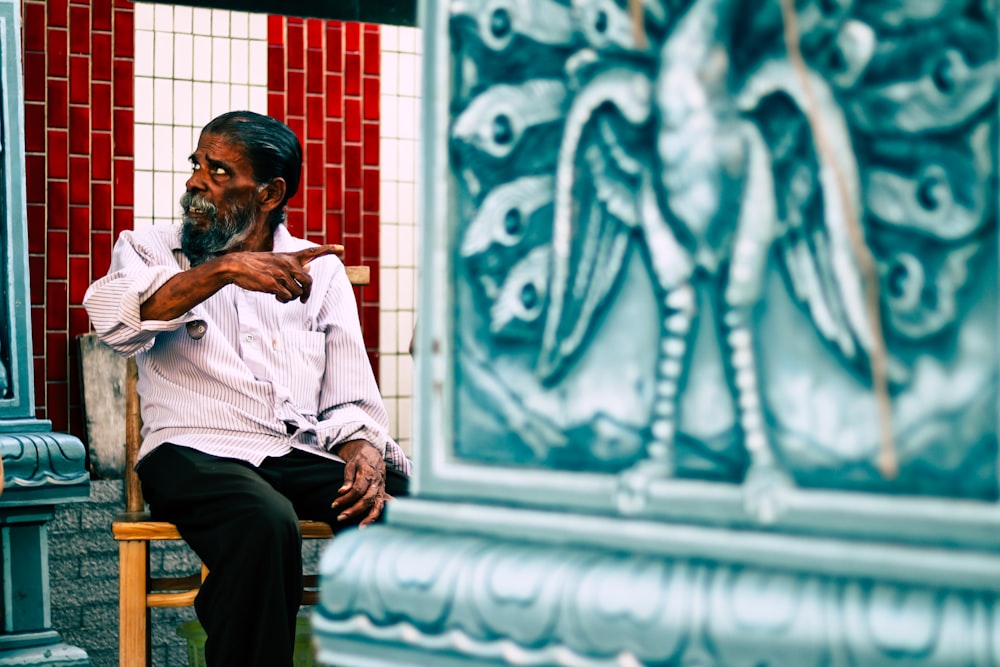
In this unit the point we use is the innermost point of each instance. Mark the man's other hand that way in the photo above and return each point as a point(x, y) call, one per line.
point(283, 274)
point(362, 497)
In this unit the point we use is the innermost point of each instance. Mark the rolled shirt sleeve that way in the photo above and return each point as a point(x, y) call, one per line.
point(137, 271)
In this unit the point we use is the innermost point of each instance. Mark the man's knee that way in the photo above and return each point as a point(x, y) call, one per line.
point(271, 518)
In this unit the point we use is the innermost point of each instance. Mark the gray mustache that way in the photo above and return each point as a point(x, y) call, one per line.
point(194, 200)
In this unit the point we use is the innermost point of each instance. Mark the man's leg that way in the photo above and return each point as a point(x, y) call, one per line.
point(247, 534)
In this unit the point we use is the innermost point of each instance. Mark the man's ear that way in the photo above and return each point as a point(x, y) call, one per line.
point(272, 194)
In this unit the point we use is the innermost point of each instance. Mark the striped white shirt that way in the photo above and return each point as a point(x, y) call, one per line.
point(242, 375)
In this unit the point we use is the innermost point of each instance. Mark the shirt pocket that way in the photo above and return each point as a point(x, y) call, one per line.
point(302, 361)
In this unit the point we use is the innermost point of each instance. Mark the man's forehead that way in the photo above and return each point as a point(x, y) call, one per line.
point(218, 148)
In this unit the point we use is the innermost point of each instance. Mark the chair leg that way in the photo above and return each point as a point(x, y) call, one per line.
point(133, 614)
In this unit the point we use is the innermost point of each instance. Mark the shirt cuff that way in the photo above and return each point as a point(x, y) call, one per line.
point(144, 286)
point(114, 304)
point(332, 433)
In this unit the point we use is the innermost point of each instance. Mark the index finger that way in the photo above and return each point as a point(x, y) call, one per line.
point(307, 255)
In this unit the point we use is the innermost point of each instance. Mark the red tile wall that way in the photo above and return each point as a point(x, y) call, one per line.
point(78, 83)
point(323, 80)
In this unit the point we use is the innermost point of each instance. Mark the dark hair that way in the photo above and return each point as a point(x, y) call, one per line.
point(271, 147)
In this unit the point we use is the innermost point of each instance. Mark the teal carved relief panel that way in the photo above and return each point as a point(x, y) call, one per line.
point(751, 244)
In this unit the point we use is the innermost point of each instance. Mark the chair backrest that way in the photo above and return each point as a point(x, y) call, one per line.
point(359, 277)
point(133, 439)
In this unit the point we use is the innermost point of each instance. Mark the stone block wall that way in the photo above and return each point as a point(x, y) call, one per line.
point(83, 569)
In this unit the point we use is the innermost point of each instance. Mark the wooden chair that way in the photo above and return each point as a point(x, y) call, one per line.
point(133, 530)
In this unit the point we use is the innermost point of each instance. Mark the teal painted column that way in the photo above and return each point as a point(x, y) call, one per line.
point(708, 359)
point(40, 468)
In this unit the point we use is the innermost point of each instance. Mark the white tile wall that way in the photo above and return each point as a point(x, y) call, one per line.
point(399, 151)
point(191, 65)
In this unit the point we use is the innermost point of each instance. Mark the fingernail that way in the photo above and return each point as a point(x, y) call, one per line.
point(333, 505)
point(342, 489)
point(342, 516)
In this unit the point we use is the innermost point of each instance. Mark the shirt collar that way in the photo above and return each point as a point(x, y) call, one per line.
point(283, 240)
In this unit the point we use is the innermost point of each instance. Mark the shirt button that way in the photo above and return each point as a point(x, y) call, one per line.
point(249, 338)
point(196, 329)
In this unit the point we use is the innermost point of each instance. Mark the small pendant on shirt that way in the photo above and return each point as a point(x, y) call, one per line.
point(197, 329)
point(274, 343)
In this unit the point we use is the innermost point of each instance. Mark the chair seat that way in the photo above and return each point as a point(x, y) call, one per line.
point(139, 526)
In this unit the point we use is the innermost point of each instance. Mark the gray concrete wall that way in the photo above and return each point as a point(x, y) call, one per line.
point(83, 567)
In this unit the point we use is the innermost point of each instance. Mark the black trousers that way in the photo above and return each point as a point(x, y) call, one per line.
point(242, 522)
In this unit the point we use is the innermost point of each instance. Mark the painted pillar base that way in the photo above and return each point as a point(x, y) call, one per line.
point(41, 470)
point(51, 655)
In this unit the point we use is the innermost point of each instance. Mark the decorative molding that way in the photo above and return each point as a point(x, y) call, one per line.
point(915, 563)
point(32, 460)
point(533, 604)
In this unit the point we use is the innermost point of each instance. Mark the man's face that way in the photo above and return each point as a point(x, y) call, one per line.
point(220, 208)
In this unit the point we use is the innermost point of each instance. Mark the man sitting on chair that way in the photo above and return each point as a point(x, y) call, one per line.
point(259, 404)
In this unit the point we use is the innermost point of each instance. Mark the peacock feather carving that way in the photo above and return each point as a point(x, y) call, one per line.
point(849, 143)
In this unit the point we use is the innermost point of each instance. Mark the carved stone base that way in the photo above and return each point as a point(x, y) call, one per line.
point(41, 469)
point(33, 460)
point(396, 595)
point(55, 655)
